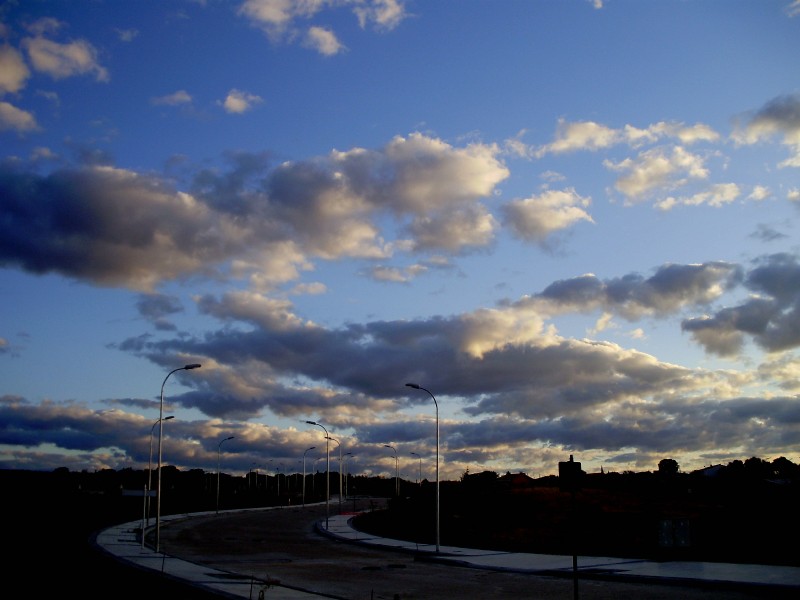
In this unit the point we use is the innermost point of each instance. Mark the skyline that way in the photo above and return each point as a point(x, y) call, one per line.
point(575, 223)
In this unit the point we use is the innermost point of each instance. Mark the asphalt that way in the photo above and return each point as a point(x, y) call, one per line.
point(124, 542)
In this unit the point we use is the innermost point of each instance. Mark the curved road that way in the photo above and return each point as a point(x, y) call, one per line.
point(283, 545)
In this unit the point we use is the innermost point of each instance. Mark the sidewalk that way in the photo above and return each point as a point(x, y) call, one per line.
point(588, 566)
point(122, 541)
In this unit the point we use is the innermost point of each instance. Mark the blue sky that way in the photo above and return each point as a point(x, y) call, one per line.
point(574, 222)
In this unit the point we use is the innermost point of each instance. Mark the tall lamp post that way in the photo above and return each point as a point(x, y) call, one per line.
point(396, 470)
point(219, 449)
point(160, 436)
point(148, 489)
point(419, 387)
point(338, 445)
point(327, 473)
point(344, 456)
point(419, 479)
point(314, 478)
point(304, 473)
point(266, 478)
point(150, 469)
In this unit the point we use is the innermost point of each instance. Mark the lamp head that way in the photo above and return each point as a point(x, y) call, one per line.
point(413, 385)
point(311, 422)
point(168, 418)
point(192, 366)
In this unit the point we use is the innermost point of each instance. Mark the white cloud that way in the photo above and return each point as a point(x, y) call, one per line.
point(715, 196)
point(656, 169)
point(278, 19)
point(174, 99)
point(17, 119)
point(385, 14)
point(44, 26)
point(64, 60)
point(13, 71)
point(536, 218)
point(591, 136)
point(310, 289)
point(323, 41)
point(127, 35)
point(759, 193)
point(586, 135)
point(396, 274)
point(274, 15)
point(238, 102)
point(43, 153)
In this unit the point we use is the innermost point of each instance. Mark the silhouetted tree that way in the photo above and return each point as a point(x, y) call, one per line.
point(668, 466)
point(757, 468)
point(785, 469)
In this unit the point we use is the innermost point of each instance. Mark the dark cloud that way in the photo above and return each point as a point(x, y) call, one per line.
point(655, 429)
point(771, 319)
point(67, 223)
point(116, 227)
point(670, 289)
point(533, 387)
point(781, 113)
point(156, 307)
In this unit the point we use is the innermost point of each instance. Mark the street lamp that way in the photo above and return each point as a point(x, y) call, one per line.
point(419, 387)
point(148, 489)
point(266, 478)
point(314, 477)
point(327, 473)
point(420, 466)
point(396, 470)
point(150, 469)
point(219, 448)
point(344, 456)
point(340, 471)
point(160, 436)
point(304, 473)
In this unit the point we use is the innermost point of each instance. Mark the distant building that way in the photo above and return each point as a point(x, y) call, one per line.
point(710, 471)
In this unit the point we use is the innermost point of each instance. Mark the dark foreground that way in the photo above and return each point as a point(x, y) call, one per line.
point(49, 552)
point(282, 545)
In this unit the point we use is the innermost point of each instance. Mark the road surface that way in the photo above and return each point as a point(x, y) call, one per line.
point(283, 545)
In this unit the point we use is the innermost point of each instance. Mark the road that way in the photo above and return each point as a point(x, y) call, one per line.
point(283, 545)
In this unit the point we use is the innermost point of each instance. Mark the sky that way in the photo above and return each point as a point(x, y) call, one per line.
point(573, 223)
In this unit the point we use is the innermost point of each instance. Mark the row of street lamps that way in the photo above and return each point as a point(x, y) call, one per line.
point(162, 418)
point(327, 473)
